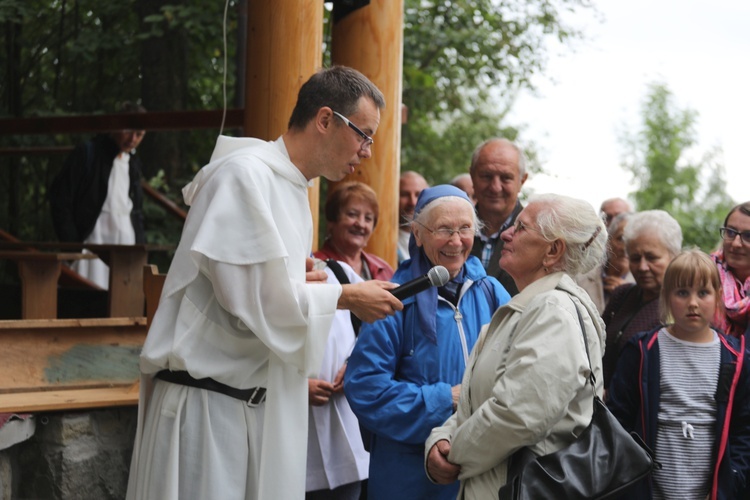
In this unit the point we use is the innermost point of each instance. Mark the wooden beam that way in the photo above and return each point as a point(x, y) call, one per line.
point(75, 399)
point(152, 120)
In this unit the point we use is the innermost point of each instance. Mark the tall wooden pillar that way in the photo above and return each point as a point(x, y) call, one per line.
point(284, 48)
point(370, 39)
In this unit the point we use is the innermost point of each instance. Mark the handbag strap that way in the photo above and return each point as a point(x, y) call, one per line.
point(592, 378)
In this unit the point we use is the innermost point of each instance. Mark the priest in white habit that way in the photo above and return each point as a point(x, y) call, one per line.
point(239, 328)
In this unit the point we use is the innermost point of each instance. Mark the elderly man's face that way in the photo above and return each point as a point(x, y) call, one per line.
point(465, 185)
point(497, 181)
point(612, 209)
point(410, 185)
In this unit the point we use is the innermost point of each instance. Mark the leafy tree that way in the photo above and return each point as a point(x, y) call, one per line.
point(464, 60)
point(657, 155)
point(85, 57)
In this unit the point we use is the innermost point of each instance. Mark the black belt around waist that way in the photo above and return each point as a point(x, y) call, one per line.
point(253, 396)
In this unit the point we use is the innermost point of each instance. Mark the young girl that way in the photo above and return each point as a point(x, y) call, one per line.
point(684, 389)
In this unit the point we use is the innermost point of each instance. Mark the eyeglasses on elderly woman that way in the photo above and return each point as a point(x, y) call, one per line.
point(446, 233)
point(519, 226)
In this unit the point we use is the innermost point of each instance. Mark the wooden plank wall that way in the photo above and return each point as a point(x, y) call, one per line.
point(50, 365)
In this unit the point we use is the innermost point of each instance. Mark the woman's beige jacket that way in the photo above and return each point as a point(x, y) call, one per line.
point(526, 383)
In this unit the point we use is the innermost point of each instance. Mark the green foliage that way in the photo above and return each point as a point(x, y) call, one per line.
point(441, 154)
point(59, 50)
point(464, 60)
point(202, 21)
point(86, 57)
point(693, 192)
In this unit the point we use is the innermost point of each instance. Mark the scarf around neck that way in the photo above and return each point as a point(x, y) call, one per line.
point(736, 298)
point(426, 301)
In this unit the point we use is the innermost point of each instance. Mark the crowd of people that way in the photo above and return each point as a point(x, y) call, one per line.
point(262, 345)
point(666, 330)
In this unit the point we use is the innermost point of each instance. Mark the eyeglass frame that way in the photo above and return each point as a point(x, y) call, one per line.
point(439, 233)
point(367, 141)
point(519, 226)
point(744, 235)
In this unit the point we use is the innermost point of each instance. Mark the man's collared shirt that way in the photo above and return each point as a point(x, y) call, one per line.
point(489, 242)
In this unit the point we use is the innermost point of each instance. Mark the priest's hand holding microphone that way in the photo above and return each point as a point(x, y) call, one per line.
point(370, 302)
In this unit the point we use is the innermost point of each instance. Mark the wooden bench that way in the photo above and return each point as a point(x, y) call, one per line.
point(126, 262)
point(71, 364)
point(39, 272)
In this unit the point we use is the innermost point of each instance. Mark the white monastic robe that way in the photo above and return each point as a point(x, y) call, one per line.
point(113, 225)
point(335, 453)
point(236, 308)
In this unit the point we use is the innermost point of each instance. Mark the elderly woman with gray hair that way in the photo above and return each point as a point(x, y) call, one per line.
point(403, 375)
point(526, 384)
point(652, 239)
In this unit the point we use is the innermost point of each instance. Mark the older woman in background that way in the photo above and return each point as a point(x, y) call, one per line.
point(602, 281)
point(733, 261)
point(526, 384)
point(403, 375)
point(652, 239)
point(351, 215)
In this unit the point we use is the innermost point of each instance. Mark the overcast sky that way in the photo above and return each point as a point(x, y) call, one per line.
point(700, 49)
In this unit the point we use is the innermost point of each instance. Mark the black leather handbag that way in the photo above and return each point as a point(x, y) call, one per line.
point(603, 462)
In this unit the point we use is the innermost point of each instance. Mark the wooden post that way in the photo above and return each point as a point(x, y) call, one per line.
point(370, 40)
point(284, 48)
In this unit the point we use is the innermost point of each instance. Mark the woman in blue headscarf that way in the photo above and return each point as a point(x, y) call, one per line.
point(403, 377)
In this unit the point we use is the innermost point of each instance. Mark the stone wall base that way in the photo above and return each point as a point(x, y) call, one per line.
point(72, 455)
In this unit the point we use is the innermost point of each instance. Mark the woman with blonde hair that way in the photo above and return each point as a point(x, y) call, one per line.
point(683, 389)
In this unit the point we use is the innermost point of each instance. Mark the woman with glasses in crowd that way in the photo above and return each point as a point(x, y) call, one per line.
point(403, 376)
point(733, 261)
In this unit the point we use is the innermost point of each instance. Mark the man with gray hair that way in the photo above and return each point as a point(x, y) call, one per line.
point(463, 182)
point(613, 207)
point(498, 171)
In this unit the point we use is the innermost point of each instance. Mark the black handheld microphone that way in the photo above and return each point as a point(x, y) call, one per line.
point(437, 276)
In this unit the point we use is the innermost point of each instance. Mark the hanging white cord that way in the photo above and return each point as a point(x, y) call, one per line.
point(224, 87)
